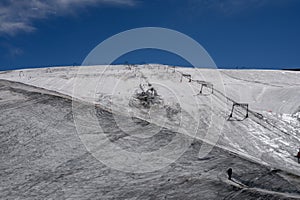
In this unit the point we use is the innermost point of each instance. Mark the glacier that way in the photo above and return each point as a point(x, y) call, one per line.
point(51, 143)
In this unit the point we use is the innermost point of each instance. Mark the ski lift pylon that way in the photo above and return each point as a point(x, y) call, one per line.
point(188, 76)
point(243, 105)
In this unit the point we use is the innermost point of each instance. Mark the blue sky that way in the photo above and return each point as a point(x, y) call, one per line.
point(236, 33)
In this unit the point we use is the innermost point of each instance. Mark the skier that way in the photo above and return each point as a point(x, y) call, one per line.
point(229, 172)
point(298, 156)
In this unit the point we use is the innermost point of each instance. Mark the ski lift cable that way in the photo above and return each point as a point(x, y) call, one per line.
point(255, 114)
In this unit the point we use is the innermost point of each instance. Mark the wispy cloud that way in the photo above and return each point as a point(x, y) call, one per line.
point(234, 6)
point(18, 16)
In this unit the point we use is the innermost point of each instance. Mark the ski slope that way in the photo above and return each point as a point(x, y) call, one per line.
point(270, 135)
point(43, 157)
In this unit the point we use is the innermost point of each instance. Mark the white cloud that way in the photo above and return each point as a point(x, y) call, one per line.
point(18, 16)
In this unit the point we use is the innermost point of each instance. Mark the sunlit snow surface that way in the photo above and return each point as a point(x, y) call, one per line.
point(272, 139)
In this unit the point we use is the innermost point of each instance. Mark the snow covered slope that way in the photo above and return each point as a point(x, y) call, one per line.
point(269, 135)
point(42, 157)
